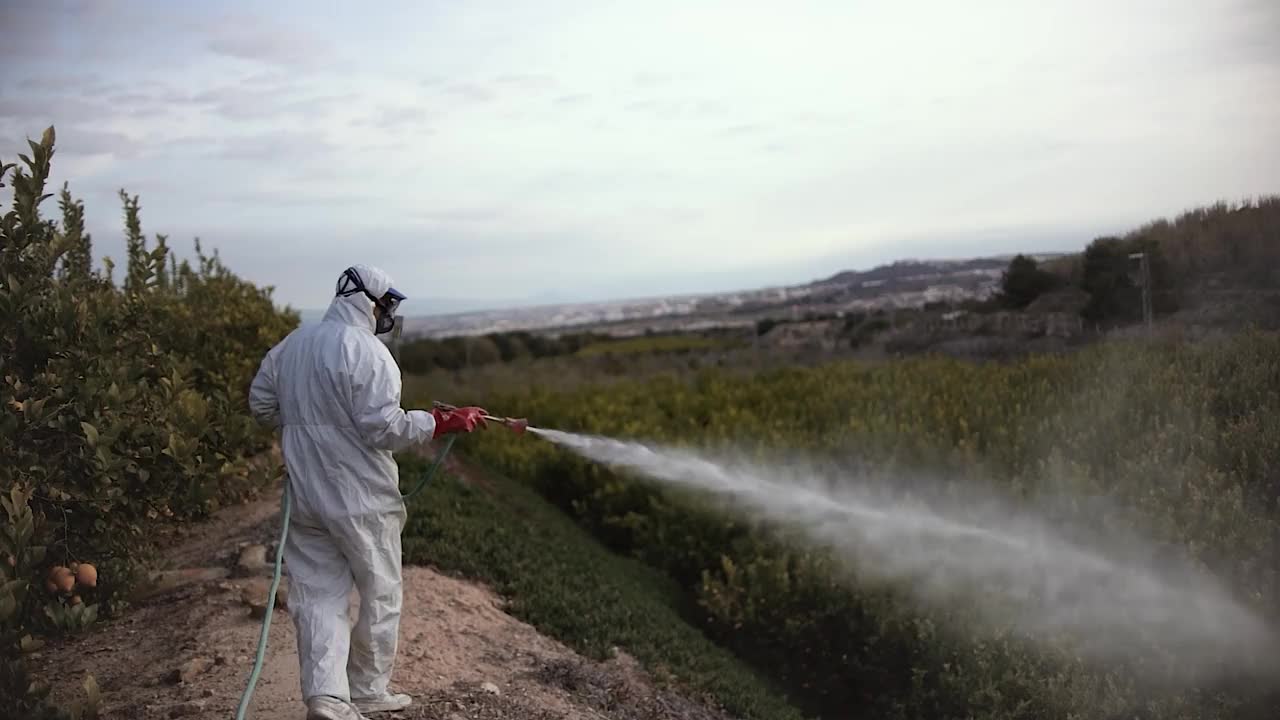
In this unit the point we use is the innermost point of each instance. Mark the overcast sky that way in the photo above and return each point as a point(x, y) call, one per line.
point(549, 150)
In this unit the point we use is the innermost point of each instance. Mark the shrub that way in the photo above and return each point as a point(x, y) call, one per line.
point(121, 408)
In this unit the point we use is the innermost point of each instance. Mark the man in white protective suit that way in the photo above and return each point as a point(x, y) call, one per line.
point(332, 389)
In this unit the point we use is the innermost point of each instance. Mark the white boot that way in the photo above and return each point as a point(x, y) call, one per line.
point(323, 707)
point(386, 703)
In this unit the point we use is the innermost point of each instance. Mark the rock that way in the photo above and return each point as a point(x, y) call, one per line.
point(194, 707)
point(253, 561)
point(190, 670)
point(254, 594)
point(491, 688)
point(208, 692)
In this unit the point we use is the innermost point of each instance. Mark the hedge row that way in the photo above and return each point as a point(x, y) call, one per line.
point(122, 408)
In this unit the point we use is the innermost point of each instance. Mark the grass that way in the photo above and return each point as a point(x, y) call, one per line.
point(560, 580)
point(653, 344)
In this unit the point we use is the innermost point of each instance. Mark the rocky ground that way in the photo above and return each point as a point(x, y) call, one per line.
point(186, 648)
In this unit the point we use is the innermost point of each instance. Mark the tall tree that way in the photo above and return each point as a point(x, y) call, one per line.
point(1024, 281)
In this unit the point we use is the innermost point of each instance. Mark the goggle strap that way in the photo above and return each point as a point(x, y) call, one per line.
point(351, 283)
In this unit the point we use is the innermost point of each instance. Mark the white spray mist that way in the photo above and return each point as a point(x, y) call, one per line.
point(1030, 578)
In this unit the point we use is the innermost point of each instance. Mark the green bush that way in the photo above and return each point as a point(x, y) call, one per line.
point(562, 582)
point(1179, 441)
point(681, 343)
point(120, 408)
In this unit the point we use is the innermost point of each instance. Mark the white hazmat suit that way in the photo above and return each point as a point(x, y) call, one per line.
point(332, 388)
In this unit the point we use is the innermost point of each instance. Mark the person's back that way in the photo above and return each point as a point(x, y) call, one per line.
point(332, 389)
point(325, 374)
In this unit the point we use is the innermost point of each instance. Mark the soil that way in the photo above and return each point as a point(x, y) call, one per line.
point(186, 647)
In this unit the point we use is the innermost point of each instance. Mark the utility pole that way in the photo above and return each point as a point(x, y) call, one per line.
point(1145, 274)
point(396, 331)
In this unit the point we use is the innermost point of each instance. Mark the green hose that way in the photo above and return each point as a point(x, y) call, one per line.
point(271, 606)
point(431, 471)
point(275, 580)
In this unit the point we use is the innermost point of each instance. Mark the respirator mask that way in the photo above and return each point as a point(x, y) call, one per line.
point(385, 321)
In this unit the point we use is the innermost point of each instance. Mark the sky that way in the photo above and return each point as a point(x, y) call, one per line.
point(503, 153)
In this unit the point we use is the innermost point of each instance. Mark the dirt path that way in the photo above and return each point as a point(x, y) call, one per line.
point(186, 649)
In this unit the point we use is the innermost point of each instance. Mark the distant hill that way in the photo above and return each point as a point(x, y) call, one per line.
point(1215, 254)
point(903, 283)
point(416, 308)
point(914, 270)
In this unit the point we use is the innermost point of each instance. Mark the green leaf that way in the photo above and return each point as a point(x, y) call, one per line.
point(38, 690)
point(29, 644)
point(90, 432)
point(92, 693)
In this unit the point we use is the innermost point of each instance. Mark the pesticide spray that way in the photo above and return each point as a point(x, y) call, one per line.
point(1018, 573)
point(1026, 576)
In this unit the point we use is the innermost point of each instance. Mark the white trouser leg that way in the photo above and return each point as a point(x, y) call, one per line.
point(319, 585)
point(371, 544)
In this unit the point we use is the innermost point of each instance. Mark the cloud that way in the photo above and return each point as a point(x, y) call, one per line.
point(24, 27)
point(527, 81)
point(50, 109)
point(276, 198)
point(79, 141)
point(400, 117)
point(470, 92)
point(649, 79)
point(740, 130)
point(262, 40)
point(85, 31)
point(275, 146)
point(63, 82)
point(668, 108)
point(574, 99)
point(709, 108)
point(464, 216)
point(237, 102)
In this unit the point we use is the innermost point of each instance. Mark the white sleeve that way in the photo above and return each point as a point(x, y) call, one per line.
point(264, 403)
point(375, 395)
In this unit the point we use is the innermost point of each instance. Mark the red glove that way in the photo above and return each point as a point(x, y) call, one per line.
point(458, 420)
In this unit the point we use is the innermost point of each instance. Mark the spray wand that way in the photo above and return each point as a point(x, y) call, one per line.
point(517, 425)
